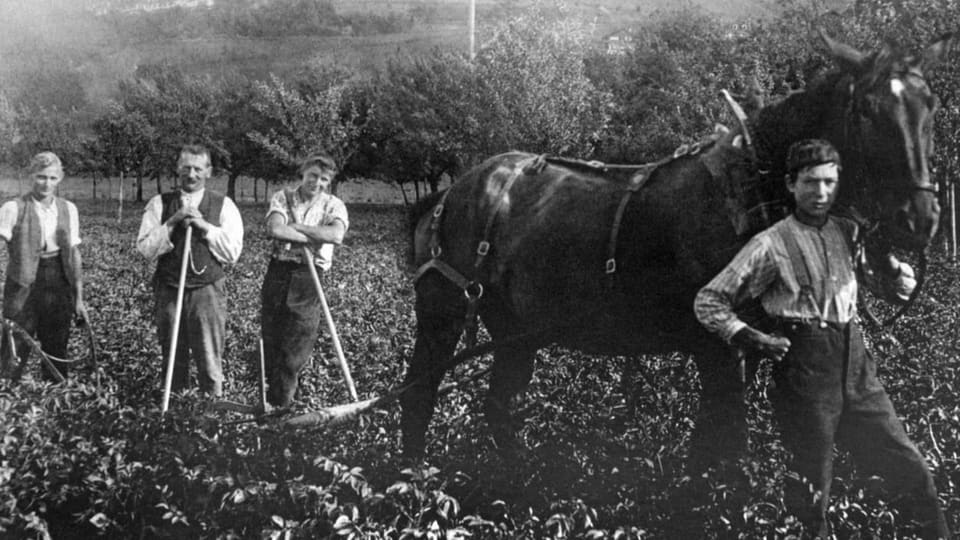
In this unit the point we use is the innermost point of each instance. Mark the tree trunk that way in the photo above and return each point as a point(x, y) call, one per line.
point(416, 190)
point(94, 186)
point(232, 185)
point(406, 201)
point(140, 187)
point(120, 201)
point(159, 185)
point(255, 198)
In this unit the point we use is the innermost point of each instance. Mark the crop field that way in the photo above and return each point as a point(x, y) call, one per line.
point(95, 456)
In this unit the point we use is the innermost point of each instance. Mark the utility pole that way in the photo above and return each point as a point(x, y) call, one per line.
point(472, 28)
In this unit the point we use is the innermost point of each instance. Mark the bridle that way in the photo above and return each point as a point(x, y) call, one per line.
point(854, 115)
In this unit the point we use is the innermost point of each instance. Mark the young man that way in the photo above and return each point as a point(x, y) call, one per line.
point(827, 390)
point(217, 240)
point(44, 285)
point(310, 217)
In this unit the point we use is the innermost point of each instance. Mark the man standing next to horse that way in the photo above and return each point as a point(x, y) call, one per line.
point(44, 285)
point(304, 223)
point(802, 271)
point(217, 240)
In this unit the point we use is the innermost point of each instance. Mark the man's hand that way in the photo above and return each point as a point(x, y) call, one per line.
point(769, 346)
point(80, 313)
point(191, 217)
point(184, 214)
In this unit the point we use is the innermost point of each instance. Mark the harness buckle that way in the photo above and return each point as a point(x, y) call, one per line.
point(476, 287)
point(435, 251)
point(438, 211)
point(483, 248)
point(611, 266)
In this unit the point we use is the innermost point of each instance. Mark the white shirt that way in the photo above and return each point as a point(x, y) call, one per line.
point(48, 215)
point(324, 210)
point(225, 241)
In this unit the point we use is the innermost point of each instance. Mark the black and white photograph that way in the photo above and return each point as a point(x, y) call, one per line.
point(479, 269)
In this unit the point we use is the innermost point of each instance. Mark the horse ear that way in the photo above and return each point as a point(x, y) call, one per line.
point(937, 50)
point(849, 59)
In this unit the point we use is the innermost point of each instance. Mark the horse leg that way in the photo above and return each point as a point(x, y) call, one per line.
point(440, 316)
point(510, 374)
point(720, 430)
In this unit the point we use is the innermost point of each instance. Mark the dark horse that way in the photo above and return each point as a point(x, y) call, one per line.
point(547, 228)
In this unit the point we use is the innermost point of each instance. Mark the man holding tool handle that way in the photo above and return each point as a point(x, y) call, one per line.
point(304, 223)
point(192, 233)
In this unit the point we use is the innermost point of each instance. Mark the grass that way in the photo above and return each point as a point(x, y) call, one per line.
point(587, 457)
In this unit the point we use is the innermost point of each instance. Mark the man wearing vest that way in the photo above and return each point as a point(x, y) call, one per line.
point(291, 312)
point(44, 285)
point(802, 271)
point(217, 240)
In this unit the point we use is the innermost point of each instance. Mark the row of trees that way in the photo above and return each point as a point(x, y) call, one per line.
point(539, 85)
point(254, 19)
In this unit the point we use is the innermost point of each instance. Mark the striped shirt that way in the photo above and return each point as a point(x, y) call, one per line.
point(763, 269)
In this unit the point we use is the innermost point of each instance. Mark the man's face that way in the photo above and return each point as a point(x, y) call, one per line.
point(815, 189)
point(193, 170)
point(316, 179)
point(45, 181)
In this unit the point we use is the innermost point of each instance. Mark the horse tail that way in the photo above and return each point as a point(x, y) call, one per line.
point(414, 215)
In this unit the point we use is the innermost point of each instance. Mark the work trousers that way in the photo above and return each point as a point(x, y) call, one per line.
point(290, 317)
point(202, 329)
point(44, 309)
point(827, 391)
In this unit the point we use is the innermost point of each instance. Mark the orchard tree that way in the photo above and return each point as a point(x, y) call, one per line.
point(425, 118)
point(535, 93)
point(9, 130)
point(179, 109)
point(301, 124)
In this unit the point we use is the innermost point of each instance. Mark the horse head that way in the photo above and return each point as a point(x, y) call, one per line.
point(886, 139)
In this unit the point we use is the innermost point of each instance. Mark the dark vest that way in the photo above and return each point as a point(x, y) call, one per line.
point(203, 268)
point(26, 243)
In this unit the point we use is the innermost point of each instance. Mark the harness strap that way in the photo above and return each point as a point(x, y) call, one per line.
point(435, 249)
point(448, 272)
point(636, 183)
point(484, 246)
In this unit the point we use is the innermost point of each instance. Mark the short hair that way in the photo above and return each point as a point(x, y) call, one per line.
point(43, 160)
point(323, 160)
point(809, 153)
point(195, 150)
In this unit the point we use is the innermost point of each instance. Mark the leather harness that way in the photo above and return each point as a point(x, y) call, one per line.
point(473, 288)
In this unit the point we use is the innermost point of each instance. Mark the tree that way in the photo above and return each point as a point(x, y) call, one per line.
point(424, 118)
point(179, 109)
point(302, 124)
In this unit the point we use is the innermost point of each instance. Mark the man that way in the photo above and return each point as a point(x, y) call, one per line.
point(217, 240)
point(290, 316)
point(44, 284)
point(827, 390)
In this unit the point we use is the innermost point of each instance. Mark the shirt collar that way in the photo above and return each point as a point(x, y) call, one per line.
point(192, 199)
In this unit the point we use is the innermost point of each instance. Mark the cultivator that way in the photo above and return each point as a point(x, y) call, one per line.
point(13, 365)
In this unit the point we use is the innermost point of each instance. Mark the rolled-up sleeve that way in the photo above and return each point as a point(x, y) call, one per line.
point(226, 241)
point(747, 276)
point(8, 219)
point(153, 240)
point(74, 224)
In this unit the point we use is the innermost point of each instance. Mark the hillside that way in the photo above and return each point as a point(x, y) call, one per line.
point(71, 49)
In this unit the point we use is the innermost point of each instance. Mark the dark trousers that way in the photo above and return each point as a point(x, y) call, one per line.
point(45, 310)
point(290, 317)
point(827, 391)
point(203, 322)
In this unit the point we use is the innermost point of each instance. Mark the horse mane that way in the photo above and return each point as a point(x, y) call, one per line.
point(799, 115)
point(414, 214)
